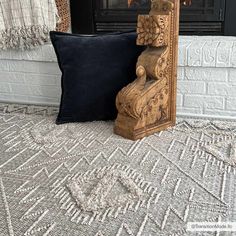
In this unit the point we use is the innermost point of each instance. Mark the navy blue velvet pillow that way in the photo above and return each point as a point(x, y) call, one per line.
point(94, 69)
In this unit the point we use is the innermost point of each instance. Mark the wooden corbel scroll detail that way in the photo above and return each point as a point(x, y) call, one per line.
point(148, 104)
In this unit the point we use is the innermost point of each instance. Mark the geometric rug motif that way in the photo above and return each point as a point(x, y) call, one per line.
point(81, 179)
point(223, 149)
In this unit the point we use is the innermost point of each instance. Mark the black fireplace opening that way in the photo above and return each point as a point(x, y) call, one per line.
point(203, 17)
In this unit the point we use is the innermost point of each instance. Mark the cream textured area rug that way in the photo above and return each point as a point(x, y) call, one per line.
point(82, 180)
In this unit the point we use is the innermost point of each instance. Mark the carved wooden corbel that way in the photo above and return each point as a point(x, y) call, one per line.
point(148, 104)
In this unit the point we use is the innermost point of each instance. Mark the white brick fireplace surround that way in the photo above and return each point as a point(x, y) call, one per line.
point(206, 77)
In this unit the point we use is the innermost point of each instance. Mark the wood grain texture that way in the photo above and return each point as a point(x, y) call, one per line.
point(148, 104)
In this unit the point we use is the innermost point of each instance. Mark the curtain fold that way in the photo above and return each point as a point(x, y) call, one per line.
point(25, 24)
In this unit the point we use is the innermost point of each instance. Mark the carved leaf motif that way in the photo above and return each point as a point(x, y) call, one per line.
point(153, 30)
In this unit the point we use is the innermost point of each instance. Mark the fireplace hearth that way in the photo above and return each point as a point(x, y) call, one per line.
point(202, 17)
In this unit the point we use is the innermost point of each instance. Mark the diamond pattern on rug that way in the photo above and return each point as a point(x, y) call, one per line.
point(81, 179)
point(102, 190)
point(223, 150)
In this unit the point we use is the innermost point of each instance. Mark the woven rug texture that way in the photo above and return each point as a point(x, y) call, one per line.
point(82, 180)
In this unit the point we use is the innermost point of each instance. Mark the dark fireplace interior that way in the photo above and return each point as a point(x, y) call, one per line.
point(202, 17)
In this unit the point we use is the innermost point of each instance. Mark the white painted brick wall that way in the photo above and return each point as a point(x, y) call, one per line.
point(206, 76)
point(30, 77)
